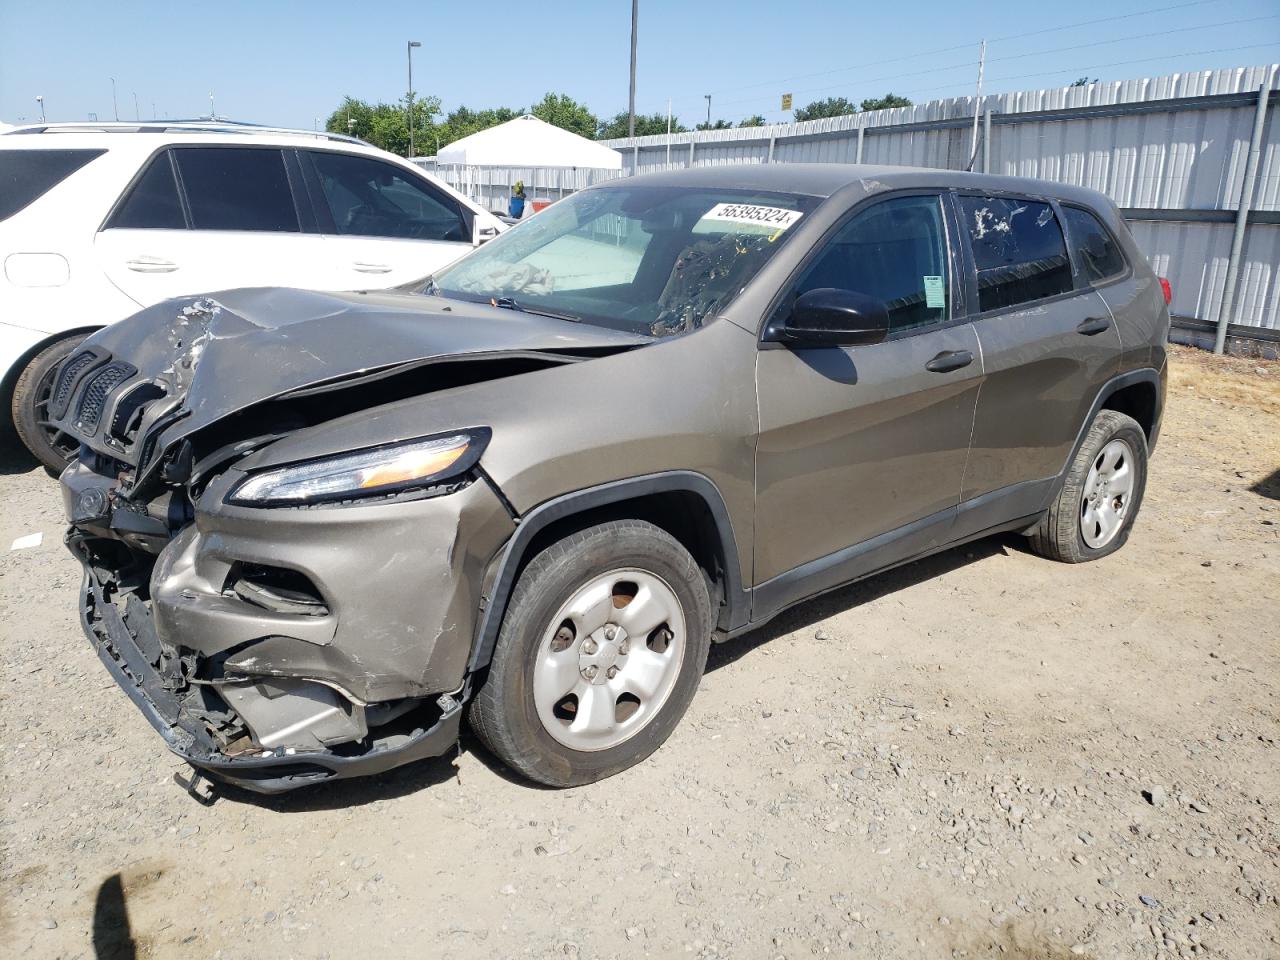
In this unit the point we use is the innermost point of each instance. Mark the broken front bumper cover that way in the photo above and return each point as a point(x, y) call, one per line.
point(119, 646)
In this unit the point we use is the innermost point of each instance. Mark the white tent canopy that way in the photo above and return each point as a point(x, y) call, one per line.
point(529, 142)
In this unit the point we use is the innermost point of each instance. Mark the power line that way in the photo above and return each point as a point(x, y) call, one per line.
point(962, 46)
point(1114, 63)
point(1166, 8)
point(1136, 36)
point(968, 64)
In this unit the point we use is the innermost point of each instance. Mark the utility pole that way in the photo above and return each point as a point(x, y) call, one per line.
point(114, 109)
point(137, 114)
point(708, 96)
point(977, 104)
point(213, 114)
point(631, 102)
point(408, 52)
point(668, 131)
point(40, 100)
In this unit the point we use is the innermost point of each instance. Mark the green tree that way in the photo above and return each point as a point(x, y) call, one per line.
point(464, 121)
point(830, 107)
point(885, 102)
point(1082, 82)
point(565, 112)
point(755, 120)
point(385, 125)
point(647, 125)
point(717, 125)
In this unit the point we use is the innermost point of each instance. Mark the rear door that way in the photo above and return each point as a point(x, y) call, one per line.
point(862, 449)
point(1048, 344)
point(383, 225)
point(205, 218)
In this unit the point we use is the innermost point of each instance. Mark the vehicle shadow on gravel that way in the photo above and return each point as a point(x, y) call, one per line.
point(343, 794)
point(1268, 486)
point(14, 458)
point(811, 612)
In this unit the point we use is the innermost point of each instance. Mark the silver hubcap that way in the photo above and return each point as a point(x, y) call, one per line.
point(609, 659)
point(1107, 492)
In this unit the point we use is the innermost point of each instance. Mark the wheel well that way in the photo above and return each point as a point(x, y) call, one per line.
point(1137, 400)
point(11, 375)
point(683, 514)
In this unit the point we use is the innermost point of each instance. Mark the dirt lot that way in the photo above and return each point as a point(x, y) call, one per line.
point(982, 754)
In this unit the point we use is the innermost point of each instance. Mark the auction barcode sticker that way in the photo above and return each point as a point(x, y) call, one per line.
point(775, 217)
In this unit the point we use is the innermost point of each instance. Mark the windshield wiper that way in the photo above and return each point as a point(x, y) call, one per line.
point(509, 303)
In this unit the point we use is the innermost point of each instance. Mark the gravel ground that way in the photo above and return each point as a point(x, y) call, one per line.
point(981, 754)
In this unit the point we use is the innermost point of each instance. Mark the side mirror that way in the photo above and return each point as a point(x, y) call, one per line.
point(484, 234)
point(829, 317)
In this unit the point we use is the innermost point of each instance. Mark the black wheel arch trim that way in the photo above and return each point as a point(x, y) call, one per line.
point(1109, 389)
point(737, 600)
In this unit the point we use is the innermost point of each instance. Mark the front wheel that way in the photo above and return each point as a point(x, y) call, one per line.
point(30, 407)
point(1100, 496)
point(599, 655)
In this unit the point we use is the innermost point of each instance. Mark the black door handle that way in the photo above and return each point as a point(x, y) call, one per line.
point(949, 360)
point(1093, 325)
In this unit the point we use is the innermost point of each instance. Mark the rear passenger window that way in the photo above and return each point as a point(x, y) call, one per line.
point(233, 188)
point(895, 251)
point(26, 175)
point(1017, 248)
point(1094, 247)
point(153, 202)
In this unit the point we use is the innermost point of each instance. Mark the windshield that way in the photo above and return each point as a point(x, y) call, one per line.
point(651, 260)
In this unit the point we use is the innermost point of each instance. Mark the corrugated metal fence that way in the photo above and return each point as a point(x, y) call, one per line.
point(1170, 151)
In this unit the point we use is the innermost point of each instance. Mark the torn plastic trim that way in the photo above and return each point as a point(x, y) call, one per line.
point(282, 770)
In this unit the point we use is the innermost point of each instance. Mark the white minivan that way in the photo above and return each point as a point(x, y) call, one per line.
point(98, 221)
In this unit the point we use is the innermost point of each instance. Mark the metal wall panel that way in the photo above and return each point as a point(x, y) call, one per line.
point(1185, 155)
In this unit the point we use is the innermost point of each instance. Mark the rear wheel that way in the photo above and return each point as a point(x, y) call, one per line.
point(30, 406)
point(1095, 510)
point(599, 655)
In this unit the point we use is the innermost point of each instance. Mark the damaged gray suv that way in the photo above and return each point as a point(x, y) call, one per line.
point(317, 528)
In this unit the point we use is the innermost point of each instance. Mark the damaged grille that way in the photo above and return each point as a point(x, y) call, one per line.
point(71, 369)
point(94, 398)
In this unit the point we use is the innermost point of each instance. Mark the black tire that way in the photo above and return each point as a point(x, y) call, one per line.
point(30, 404)
point(503, 714)
point(1059, 534)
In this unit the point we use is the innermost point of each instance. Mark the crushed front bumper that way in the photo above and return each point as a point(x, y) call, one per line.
point(126, 642)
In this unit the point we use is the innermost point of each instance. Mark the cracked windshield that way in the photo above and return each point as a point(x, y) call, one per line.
point(655, 261)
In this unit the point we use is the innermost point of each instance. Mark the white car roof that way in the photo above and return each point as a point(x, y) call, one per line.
point(143, 139)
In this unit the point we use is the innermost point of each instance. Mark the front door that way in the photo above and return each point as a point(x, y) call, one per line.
point(862, 449)
point(383, 226)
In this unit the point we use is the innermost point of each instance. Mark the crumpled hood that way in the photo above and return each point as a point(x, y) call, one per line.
point(225, 351)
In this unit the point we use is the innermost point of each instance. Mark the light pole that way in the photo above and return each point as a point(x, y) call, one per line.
point(408, 52)
point(631, 102)
point(114, 108)
point(40, 100)
point(137, 114)
point(708, 96)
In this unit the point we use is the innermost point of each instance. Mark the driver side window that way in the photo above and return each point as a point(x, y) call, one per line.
point(370, 198)
point(895, 251)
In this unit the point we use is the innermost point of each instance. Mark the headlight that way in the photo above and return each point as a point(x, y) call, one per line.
point(366, 473)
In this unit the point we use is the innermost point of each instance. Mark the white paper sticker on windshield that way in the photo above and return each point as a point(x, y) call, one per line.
point(775, 217)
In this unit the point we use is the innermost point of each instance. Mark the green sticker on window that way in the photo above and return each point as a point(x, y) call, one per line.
point(935, 295)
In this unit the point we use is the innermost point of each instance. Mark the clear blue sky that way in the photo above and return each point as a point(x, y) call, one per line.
point(290, 62)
